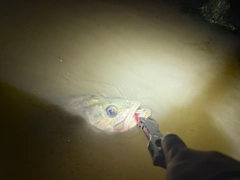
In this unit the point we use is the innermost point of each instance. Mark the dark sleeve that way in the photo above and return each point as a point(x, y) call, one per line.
point(185, 163)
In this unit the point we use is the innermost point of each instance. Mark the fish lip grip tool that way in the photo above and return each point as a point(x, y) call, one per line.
point(150, 128)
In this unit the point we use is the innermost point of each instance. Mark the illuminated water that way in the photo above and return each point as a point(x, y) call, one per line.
point(184, 69)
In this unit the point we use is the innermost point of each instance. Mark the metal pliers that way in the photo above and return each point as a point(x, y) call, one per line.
point(150, 128)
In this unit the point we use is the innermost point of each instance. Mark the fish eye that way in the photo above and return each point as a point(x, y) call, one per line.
point(111, 111)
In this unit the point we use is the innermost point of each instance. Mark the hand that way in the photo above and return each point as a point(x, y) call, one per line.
point(187, 164)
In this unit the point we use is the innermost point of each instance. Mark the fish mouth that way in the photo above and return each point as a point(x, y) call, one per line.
point(127, 122)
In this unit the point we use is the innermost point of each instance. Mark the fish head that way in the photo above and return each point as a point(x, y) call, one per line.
point(112, 114)
point(107, 114)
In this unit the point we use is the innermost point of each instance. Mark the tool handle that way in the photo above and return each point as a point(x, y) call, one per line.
point(151, 130)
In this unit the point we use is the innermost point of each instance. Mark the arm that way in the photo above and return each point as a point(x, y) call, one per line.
point(183, 163)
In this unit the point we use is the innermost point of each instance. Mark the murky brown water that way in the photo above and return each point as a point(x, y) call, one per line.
point(186, 70)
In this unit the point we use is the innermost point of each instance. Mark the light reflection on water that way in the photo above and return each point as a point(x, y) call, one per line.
point(190, 80)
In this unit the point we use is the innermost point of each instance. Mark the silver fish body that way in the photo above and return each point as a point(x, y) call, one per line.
point(106, 114)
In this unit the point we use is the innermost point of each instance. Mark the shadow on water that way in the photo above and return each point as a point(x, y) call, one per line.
point(40, 140)
point(195, 124)
point(34, 134)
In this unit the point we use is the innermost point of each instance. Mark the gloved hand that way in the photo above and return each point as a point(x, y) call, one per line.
point(188, 164)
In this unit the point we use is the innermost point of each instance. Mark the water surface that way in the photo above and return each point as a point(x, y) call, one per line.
point(184, 69)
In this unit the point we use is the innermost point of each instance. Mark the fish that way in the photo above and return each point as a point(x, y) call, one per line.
point(107, 114)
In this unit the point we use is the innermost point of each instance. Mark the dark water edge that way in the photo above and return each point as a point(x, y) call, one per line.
point(33, 134)
point(191, 7)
